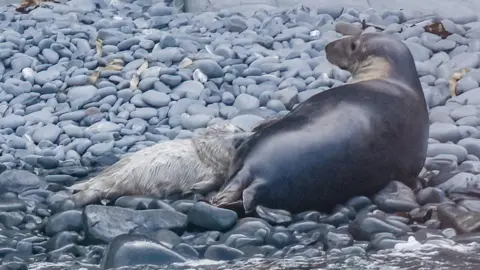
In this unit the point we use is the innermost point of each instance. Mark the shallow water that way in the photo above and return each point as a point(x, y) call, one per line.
point(411, 255)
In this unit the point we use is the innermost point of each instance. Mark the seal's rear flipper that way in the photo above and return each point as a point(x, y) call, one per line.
point(85, 197)
point(236, 206)
point(79, 186)
point(232, 191)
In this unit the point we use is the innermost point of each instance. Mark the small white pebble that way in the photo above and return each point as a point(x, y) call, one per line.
point(28, 73)
point(199, 76)
point(315, 33)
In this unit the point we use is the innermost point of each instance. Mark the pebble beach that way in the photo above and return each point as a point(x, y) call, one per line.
point(84, 82)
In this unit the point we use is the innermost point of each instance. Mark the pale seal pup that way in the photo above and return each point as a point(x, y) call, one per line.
point(346, 141)
point(180, 166)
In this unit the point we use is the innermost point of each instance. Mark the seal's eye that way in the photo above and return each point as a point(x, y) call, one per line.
point(353, 46)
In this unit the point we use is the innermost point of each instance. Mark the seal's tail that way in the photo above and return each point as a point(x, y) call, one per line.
point(83, 193)
point(95, 190)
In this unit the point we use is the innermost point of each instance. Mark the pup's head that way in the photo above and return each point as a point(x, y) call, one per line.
point(222, 128)
point(226, 134)
point(218, 143)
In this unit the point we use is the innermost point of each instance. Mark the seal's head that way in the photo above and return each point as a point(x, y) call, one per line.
point(226, 133)
point(372, 56)
point(217, 144)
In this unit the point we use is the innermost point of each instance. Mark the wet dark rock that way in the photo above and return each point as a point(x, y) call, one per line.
point(250, 227)
point(238, 241)
point(316, 236)
point(167, 238)
point(459, 182)
point(135, 202)
point(366, 225)
point(103, 223)
point(12, 204)
point(353, 251)
point(435, 180)
point(469, 203)
point(66, 180)
point(62, 239)
point(467, 238)
point(461, 220)
point(431, 195)
point(383, 241)
point(3, 168)
point(341, 215)
point(19, 180)
point(76, 171)
point(309, 216)
point(10, 219)
point(210, 217)
point(200, 241)
point(395, 197)
point(337, 240)
point(274, 216)
point(470, 166)
point(132, 249)
point(442, 162)
point(183, 206)
point(14, 265)
point(65, 253)
point(222, 252)
point(250, 251)
point(187, 251)
point(94, 255)
point(48, 162)
point(279, 238)
point(304, 226)
point(302, 251)
point(358, 202)
point(70, 220)
point(423, 235)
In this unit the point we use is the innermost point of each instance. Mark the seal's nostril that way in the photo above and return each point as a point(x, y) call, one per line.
point(353, 46)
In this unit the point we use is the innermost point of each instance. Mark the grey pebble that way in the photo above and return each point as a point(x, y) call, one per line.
point(246, 102)
point(12, 121)
point(156, 99)
point(193, 122)
point(444, 132)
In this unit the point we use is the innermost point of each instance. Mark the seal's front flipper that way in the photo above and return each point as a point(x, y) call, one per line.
point(204, 187)
point(232, 191)
point(251, 194)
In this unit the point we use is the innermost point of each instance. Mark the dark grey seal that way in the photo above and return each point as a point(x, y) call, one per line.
point(347, 141)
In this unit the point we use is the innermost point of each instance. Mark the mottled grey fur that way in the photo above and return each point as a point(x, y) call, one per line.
point(181, 166)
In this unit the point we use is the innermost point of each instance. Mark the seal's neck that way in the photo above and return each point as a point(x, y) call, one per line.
point(381, 68)
point(370, 69)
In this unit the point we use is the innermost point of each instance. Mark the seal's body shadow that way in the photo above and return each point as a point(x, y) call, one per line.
point(346, 141)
